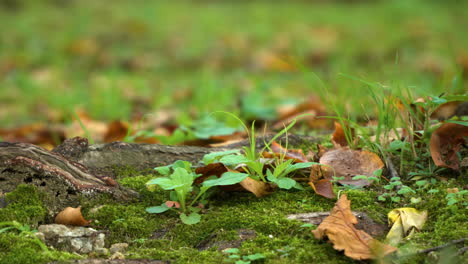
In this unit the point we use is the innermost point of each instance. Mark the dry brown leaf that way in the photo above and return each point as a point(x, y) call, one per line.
point(116, 131)
point(84, 47)
point(462, 60)
point(446, 111)
point(96, 129)
point(272, 61)
point(239, 135)
point(71, 216)
point(339, 136)
point(446, 142)
point(40, 134)
point(349, 163)
point(323, 187)
point(258, 188)
point(172, 204)
point(311, 109)
point(295, 154)
point(213, 169)
point(340, 230)
point(319, 183)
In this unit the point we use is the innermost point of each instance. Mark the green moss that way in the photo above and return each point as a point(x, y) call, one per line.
point(128, 171)
point(126, 222)
point(149, 198)
point(25, 205)
point(15, 248)
point(164, 237)
point(366, 201)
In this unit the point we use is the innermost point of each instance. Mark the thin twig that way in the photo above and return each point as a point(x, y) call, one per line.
point(462, 250)
point(457, 241)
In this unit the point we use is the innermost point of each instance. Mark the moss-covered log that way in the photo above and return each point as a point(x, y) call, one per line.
point(76, 168)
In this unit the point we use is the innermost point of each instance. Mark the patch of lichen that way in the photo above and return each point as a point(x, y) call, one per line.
point(20, 249)
point(25, 205)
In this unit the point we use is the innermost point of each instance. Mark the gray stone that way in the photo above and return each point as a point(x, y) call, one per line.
point(118, 247)
point(3, 202)
point(76, 239)
point(40, 235)
point(100, 240)
point(81, 244)
point(117, 255)
point(101, 251)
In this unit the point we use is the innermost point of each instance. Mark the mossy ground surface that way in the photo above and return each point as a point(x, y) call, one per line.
point(164, 237)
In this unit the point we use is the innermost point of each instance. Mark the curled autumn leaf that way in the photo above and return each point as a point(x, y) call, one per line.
point(295, 154)
point(449, 109)
point(213, 169)
point(445, 142)
point(339, 135)
point(258, 188)
point(323, 187)
point(307, 112)
point(116, 131)
point(71, 216)
point(340, 230)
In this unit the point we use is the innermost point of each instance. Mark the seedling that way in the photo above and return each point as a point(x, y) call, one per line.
point(180, 179)
point(239, 259)
point(395, 190)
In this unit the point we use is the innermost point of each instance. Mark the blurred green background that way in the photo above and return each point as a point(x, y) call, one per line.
point(123, 59)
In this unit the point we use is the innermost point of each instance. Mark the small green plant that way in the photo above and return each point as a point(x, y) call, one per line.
point(374, 178)
point(278, 173)
point(282, 169)
point(239, 259)
point(455, 197)
point(25, 230)
point(395, 190)
point(251, 159)
point(179, 178)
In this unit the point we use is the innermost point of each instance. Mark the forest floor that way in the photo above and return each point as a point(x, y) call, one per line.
point(377, 86)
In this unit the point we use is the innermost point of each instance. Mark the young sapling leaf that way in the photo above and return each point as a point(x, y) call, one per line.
point(228, 178)
point(231, 160)
point(190, 219)
point(286, 183)
point(157, 209)
point(215, 156)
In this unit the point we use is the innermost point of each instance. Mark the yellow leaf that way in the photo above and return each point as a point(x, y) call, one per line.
point(405, 221)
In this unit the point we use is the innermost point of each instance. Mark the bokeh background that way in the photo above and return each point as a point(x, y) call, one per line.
point(121, 60)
